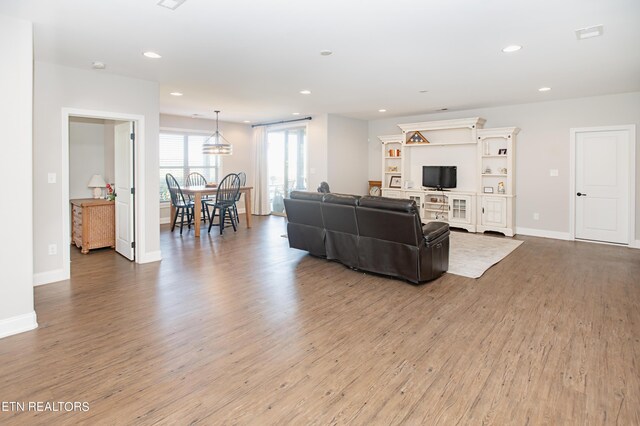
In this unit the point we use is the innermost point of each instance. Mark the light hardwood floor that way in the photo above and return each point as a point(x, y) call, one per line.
point(240, 329)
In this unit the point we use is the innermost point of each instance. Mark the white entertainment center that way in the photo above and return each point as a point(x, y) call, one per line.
point(484, 197)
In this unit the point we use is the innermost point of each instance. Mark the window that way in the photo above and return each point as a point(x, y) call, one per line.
point(181, 154)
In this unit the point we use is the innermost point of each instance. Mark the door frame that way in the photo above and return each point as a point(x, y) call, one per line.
point(139, 182)
point(573, 133)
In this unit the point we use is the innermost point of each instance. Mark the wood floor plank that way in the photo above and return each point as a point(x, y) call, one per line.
point(241, 329)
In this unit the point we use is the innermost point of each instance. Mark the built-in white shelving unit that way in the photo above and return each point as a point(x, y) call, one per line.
point(484, 199)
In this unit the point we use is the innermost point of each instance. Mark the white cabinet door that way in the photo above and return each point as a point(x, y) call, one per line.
point(459, 208)
point(494, 211)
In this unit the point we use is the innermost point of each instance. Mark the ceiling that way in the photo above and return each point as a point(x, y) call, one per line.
point(252, 58)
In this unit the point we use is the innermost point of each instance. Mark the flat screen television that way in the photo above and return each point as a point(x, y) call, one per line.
point(439, 177)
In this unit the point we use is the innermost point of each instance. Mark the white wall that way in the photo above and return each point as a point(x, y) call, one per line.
point(87, 155)
point(317, 150)
point(240, 136)
point(543, 144)
point(57, 87)
point(347, 155)
point(16, 253)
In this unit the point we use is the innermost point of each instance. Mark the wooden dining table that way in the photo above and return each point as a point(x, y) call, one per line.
point(210, 189)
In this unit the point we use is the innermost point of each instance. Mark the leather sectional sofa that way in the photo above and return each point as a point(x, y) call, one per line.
point(376, 234)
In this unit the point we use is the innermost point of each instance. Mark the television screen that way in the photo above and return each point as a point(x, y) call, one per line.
point(439, 176)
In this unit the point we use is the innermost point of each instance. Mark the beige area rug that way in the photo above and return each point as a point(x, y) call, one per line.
point(470, 255)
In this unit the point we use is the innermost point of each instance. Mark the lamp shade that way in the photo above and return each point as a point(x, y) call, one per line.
point(220, 145)
point(96, 181)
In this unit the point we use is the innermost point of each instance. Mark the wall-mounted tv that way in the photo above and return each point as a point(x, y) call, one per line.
point(439, 177)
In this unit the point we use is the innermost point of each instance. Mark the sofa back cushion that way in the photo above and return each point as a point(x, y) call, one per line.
point(339, 213)
point(304, 208)
point(389, 219)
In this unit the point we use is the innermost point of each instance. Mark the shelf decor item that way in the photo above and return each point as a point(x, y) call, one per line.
point(416, 137)
point(395, 181)
point(487, 170)
point(488, 189)
point(392, 168)
point(502, 151)
point(501, 188)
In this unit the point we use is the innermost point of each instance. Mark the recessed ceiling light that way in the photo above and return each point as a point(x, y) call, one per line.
point(296, 113)
point(382, 110)
point(246, 121)
point(326, 52)
point(589, 32)
point(544, 89)
point(97, 65)
point(152, 55)
point(305, 92)
point(170, 4)
point(443, 109)
point(196, 115)
point(423, 91)
point(175, 94)
point(512, 48)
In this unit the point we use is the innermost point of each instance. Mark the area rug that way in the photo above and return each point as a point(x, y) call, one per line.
point(470, 255)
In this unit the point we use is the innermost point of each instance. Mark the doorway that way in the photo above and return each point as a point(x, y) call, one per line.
point(286, 164)
point(117, 144)
point(603, 184)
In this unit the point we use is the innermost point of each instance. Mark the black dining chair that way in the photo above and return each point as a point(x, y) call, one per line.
point(181, 204)
point(243, 182)
point(197, 179)
point(226, 195)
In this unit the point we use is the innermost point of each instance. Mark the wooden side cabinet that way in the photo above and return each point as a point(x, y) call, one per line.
point(93, 224)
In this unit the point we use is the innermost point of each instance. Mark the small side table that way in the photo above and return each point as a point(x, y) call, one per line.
point(93, 224)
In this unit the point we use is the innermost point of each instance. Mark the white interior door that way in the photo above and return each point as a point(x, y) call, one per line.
point(124, 160)
point(602, 186)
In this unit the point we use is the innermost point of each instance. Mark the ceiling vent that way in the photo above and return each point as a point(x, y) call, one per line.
point(589, 32)
point(171, 4)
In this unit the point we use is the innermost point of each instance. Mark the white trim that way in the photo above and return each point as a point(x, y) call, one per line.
point(631, 128)
point(154, 256)
point(139, 121)
point(50, 277)
point(543, 233)
point(635, 244)
point(18, 324)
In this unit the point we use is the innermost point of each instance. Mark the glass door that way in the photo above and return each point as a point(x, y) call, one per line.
point(286, 154)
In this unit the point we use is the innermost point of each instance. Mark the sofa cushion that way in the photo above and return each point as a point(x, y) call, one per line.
point(385, 203)
point(306, 195)
point(349, 200)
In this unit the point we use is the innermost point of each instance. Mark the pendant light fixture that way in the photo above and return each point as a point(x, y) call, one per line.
point(216, 144)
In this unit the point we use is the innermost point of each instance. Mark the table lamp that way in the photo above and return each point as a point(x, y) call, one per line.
point(97, 183)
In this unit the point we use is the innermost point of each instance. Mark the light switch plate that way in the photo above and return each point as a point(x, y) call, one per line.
point(553, 172)
point(51, 178)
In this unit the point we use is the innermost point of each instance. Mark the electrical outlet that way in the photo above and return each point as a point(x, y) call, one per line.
point(536, 216)
point(553, 172)
point(53, 249)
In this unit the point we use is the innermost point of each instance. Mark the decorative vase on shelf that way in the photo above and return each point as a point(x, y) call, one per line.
point(487, 148)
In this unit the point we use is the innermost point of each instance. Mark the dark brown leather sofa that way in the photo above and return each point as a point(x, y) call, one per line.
point(377, 234)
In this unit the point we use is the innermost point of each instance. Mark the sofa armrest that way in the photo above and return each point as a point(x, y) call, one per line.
point(433, 230)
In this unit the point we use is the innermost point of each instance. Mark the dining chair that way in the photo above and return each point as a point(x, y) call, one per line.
point(226, 194)
point(179, 202)
point(197, 179)
point(243, 182)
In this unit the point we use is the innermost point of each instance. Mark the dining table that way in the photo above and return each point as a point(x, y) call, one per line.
point(210, 189)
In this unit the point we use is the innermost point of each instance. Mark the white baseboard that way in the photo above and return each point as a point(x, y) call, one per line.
point(154, 256)
point(18, 324)
point(543, 233)
point(635, 244)
point(49, 277)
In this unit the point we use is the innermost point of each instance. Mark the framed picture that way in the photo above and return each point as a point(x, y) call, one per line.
point(488, 189)
point(395, 182)
point(502, 151)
